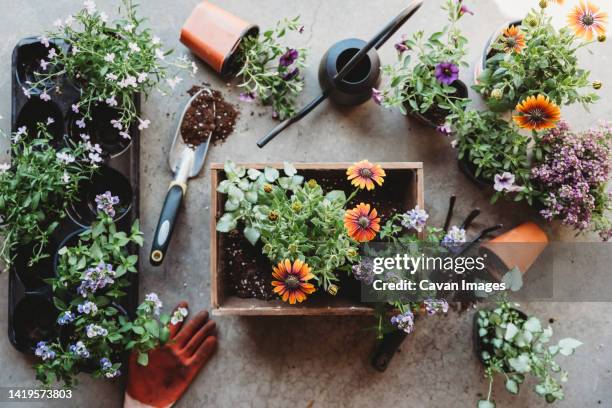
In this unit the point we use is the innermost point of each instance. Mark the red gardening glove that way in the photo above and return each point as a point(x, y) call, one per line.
point(173, 366)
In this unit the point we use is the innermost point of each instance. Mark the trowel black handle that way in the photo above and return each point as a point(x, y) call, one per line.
point(386, 349)
point(165, 225)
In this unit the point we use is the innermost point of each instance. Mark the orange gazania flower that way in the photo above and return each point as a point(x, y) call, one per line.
point(587, 19)
point(292, 284)
point(363, 175)
point(513, 40)
point(361, 223)
point(537, 113)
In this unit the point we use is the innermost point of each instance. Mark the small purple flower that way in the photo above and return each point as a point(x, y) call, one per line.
point(505, 182)
point(88, 308)
point(446, 73)
point(454, 236)
point(415, 219)
point(445, 129)
point(404, 321)
point(463, 10)
point(93, 330)
point(96, 278)
point(106, 203)
point(43, 351)
point(433, 306)
point(301, 30)
point(289, 57)
point(247, 97)
point(105, 363)
point(154, 302)
point(65, 318)
point(291, 74)
point(377, 96)
point(364, 271)
point(79, 349)
point(401, 46)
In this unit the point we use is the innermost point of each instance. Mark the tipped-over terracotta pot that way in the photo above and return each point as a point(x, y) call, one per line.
point(214, 35)
point(529, 242)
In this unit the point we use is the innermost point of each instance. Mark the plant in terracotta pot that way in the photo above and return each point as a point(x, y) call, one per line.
point(270, 71)
point(89, 288)
point(573, 175)
point(511, 343)
point(35, 190)
point(110, 62)
point(533, 57)
point(425, 81)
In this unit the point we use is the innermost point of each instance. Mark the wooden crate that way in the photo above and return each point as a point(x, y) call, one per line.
point(225, 304)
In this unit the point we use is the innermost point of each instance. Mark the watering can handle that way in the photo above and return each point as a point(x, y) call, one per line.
point(376, 42)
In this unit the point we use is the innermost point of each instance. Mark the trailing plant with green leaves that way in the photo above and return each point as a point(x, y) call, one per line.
point(35, 190)
point(270, 70)
point(535, 58)
point(427, 84)
point(109, 61)
point(94, 330)
point(496, 151)
point(515, 346)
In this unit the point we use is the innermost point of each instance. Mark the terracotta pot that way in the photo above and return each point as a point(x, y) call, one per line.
point(530, 242)
point(214, 35)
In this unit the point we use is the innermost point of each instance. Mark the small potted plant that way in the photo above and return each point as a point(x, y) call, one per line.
point(110, 62)
point(94, 330)
point(429, 89)
point(572, 175)
point(509, 342)
point(35, 190)
point(531, 57)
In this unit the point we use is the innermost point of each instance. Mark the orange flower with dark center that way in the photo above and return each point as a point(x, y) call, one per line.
point(361, 223)
point(292, 284)
point(364, 174)
point(513, 40)
point(586, 19)
point(537, 113)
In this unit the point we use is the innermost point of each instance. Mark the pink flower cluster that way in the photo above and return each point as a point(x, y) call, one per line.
point(572, 173)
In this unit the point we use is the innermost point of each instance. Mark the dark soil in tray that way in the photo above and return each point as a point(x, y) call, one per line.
point(223, 122)
point(249, 272)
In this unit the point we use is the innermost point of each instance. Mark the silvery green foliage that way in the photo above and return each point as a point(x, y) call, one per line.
point(518, 346)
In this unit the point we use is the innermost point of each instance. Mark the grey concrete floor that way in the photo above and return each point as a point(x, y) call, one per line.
point(322, 362)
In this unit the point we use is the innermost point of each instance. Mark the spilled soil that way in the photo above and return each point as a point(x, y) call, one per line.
point(209, 112)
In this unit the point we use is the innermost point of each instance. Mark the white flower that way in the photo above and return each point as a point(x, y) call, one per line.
point(129, 81)
point(155, 40)
point(20, 132)
point(52, 53)
point(110, 57)
point(194, 68)
point(43, 64)
point(95, 158)
point(173, 82)
point(134, 47)
point(116, 124)
point(80, 123)
point(179, 315)
point(45, 96)
point(154, 299)
point(142, 77)
point(75, 108)
point(125, 135)
point(26, 92)
point(90, 6)
point(58, 23)
point(160, 54)
point(143, 124)
point(69, 20)
point(111, 77)
point(84, 136)
point(4, 167)
point(65, 157)
point(103, 17)
point(44, 41)
point(66, 178)
point(111, 101)
point(50, 121)
point(454, 144)
point(128, 27)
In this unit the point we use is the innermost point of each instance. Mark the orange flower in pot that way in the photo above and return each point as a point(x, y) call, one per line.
point(214, 34)
point(519, 247)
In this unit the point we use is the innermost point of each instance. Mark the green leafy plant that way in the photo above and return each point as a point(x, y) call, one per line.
point(270, 71)
point(515, 345)
point(546, 64)
point(426, 86)
point(95, 331)
point(36, 188)
point(109, 61)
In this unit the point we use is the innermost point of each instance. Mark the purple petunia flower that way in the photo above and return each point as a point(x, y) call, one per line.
point(447, 73)
point(401, 45)
point(291, 74)
point(247, 97)
point(289, 57)
point(377, 96)
point(505, 182)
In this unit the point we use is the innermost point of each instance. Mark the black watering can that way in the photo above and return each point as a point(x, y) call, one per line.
point(348, 71)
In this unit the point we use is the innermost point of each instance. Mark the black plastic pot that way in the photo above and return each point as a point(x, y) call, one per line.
point(100, 130)
point(32, 277)
point(70, 241)
point(37, 111)
point(469, 169)
point(356, 87)
point(33, 320)
point(436, 116)
point(29, 56)
point(83, 210)
point(479, 346)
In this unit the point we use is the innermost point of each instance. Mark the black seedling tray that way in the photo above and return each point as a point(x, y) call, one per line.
point(32, 315)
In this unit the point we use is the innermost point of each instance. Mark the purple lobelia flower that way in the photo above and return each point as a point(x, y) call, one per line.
point(289, 57)
point(106, 203)
point(415, 219)
point(404, 321)
point(364, 271)
point(446, 73)
point(455, 236)
point(433, 306)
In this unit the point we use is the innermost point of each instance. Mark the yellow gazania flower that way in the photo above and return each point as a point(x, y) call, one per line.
point(586, 19)
point(292, 281)
point(537, 113)
point(364, 174)
point(513, 40)
point(361, 223)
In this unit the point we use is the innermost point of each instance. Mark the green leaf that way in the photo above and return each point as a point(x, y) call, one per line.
point(152, 327)
point(231, 204)
point(253, 174)
point(513, 279)
point(533, 325)
point(289, 169)
point(511, 331)
point(512, 386)
point(226, 223)
point(138, 330)
point(336, 195)
point(271, 174)
point(252, 235)
point(521, 364)
point(143, 359)
point(568, 345)
point(486, 404)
